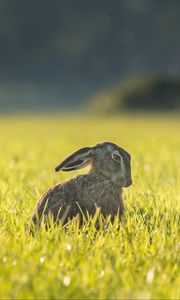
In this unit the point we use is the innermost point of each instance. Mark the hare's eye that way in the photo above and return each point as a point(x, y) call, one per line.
point(117, 157)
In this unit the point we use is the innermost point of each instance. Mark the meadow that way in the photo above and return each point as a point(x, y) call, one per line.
point(140, 260)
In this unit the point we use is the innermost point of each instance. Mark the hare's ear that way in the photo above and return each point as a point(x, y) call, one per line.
point(76, 161)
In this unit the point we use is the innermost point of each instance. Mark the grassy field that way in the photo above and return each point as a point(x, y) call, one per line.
point(139, 261)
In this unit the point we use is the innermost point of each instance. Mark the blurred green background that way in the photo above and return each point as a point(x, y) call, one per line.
point(63, 55)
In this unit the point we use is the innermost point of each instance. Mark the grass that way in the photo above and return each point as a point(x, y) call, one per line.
point(141, 260)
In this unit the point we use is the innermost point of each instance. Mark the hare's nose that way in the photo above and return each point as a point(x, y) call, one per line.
point(128, 182)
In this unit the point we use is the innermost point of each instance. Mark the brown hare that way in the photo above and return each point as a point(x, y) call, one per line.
point(100, 187)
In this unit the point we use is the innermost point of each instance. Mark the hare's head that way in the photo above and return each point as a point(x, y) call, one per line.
point(105, 158)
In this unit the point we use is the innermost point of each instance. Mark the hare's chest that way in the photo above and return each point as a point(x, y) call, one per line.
point(107, 198)
point(104, 197)
point(111, 204)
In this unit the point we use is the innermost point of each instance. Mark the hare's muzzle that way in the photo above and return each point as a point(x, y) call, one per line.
point(128, 182)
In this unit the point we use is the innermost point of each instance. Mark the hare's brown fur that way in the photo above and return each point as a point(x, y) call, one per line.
point(84, 193)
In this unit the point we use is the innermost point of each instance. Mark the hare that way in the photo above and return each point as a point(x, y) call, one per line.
point(101, 187)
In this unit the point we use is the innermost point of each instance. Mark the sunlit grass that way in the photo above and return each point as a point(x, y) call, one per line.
point(141, 259)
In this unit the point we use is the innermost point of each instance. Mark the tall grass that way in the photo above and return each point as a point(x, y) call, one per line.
point(141, 259)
